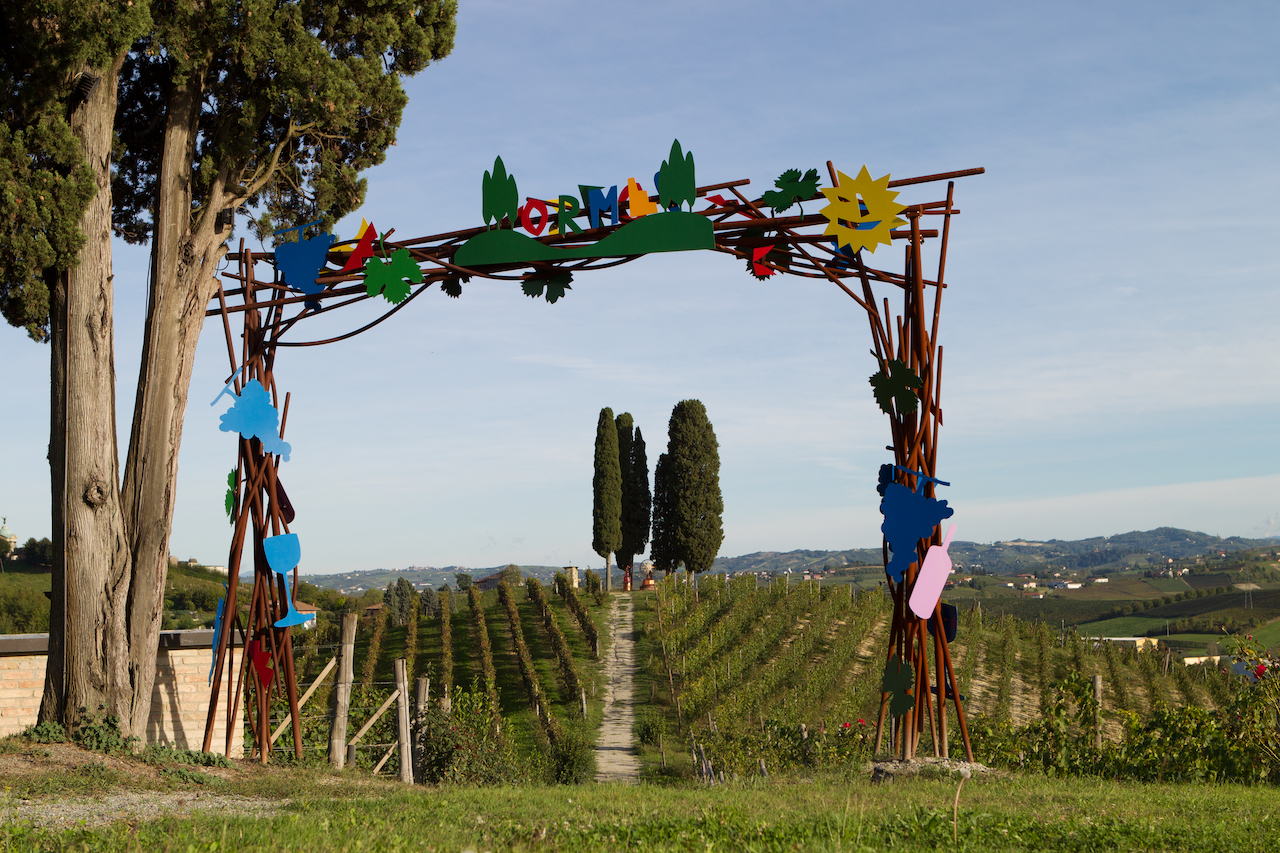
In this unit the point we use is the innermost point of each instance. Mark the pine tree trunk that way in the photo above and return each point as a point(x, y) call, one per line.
point(182, 283)
point(87, 643)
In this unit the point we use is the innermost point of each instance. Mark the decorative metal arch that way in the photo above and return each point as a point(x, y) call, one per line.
point(274, 309)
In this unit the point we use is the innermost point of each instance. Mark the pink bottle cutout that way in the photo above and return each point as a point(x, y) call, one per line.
point(932, 578)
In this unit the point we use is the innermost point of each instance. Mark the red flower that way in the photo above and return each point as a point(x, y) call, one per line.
point(845, 725)
point(1261, 670)
point(862, 722)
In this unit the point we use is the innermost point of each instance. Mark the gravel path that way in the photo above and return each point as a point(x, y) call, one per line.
point(68, 812)
point(616, 759)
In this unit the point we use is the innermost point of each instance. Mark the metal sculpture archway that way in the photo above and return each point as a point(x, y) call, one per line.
point(312, 277)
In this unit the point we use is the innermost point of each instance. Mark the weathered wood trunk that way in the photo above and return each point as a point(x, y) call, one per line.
point(86, 670)
point(185, 255)
point(111, 538)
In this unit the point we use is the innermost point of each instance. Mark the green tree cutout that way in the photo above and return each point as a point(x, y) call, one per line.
point(499, 196)
point(899, 678)
point(675, 179)
point(791, 189)
point(897, 388)
point(554, 284)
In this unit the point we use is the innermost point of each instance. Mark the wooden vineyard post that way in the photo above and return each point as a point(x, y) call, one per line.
point(402, 722)
point(342, 692)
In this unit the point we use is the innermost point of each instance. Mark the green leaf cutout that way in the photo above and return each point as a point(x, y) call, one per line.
point(899, 678)
point(554, 285)
point(452, 287)
point(389, 278)
point(231, 494)
point(791, 189)
point(897, 388)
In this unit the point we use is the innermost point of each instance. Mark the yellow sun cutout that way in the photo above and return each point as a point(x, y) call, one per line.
point(862, 211)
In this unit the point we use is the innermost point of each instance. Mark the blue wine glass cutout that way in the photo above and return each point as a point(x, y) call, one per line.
point(283, 553)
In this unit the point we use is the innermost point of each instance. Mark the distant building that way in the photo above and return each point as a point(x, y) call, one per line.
point(488, 583)
point(1098, 580)
point(309, 610)
point(10, 537)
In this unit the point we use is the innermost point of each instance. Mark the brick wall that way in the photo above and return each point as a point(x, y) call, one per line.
point(179, 700)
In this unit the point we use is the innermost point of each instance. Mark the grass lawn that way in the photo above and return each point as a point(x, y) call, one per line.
point(1168, 585)
point(322, 811)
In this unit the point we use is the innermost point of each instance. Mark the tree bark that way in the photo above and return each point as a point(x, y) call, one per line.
point(85, 672)
point(185, 255)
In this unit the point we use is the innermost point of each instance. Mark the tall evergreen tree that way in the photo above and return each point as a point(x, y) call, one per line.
point(208, 107)
point(696, 504)
point(636, 499)
point(606, 508)
point(662, 549)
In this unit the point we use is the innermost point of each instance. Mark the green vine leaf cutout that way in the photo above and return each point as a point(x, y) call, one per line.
point(899, 678)
point(231, 495)
point(791, 189)
point(555, 285)
point(453, 286)
point(897, 388)
point(389, 278)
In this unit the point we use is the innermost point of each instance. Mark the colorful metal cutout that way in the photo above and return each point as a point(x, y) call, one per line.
point(253, 416)
point(283, 553)
point(909, 516)
point(932, 577)
point(862, 211)
point(899, 679)
point(791, 189)
point(299, 263)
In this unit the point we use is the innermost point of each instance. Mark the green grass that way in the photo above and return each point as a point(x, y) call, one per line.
point(845, 813)
point(1124, 626)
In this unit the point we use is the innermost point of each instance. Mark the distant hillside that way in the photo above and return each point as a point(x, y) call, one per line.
point(1139, 548)
point(1013, 557)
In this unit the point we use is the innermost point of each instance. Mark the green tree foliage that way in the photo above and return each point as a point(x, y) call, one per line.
point(462, 580)
point(47, 182)
point(694, 482)
point(429, 602)
point(662, 549)
point(636, 499)
point(499, 197)
point(398, 600)
point(511, 575)
point(676, 183)
point(606, 508)
point(374, 648)
point(38, 552)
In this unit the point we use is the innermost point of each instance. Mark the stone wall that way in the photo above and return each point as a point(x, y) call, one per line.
point(179, 700)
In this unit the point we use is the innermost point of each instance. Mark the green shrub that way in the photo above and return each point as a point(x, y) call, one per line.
point(573, 756)
point(102, 734)
point(47, 732)
point(465, 746)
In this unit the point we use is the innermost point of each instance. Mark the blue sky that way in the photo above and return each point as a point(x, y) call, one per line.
point(1110, 328)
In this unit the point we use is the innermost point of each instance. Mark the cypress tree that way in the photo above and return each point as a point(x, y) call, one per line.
point(694, 483)
point(636, 500)
point(606, 533)
point(662, 549)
